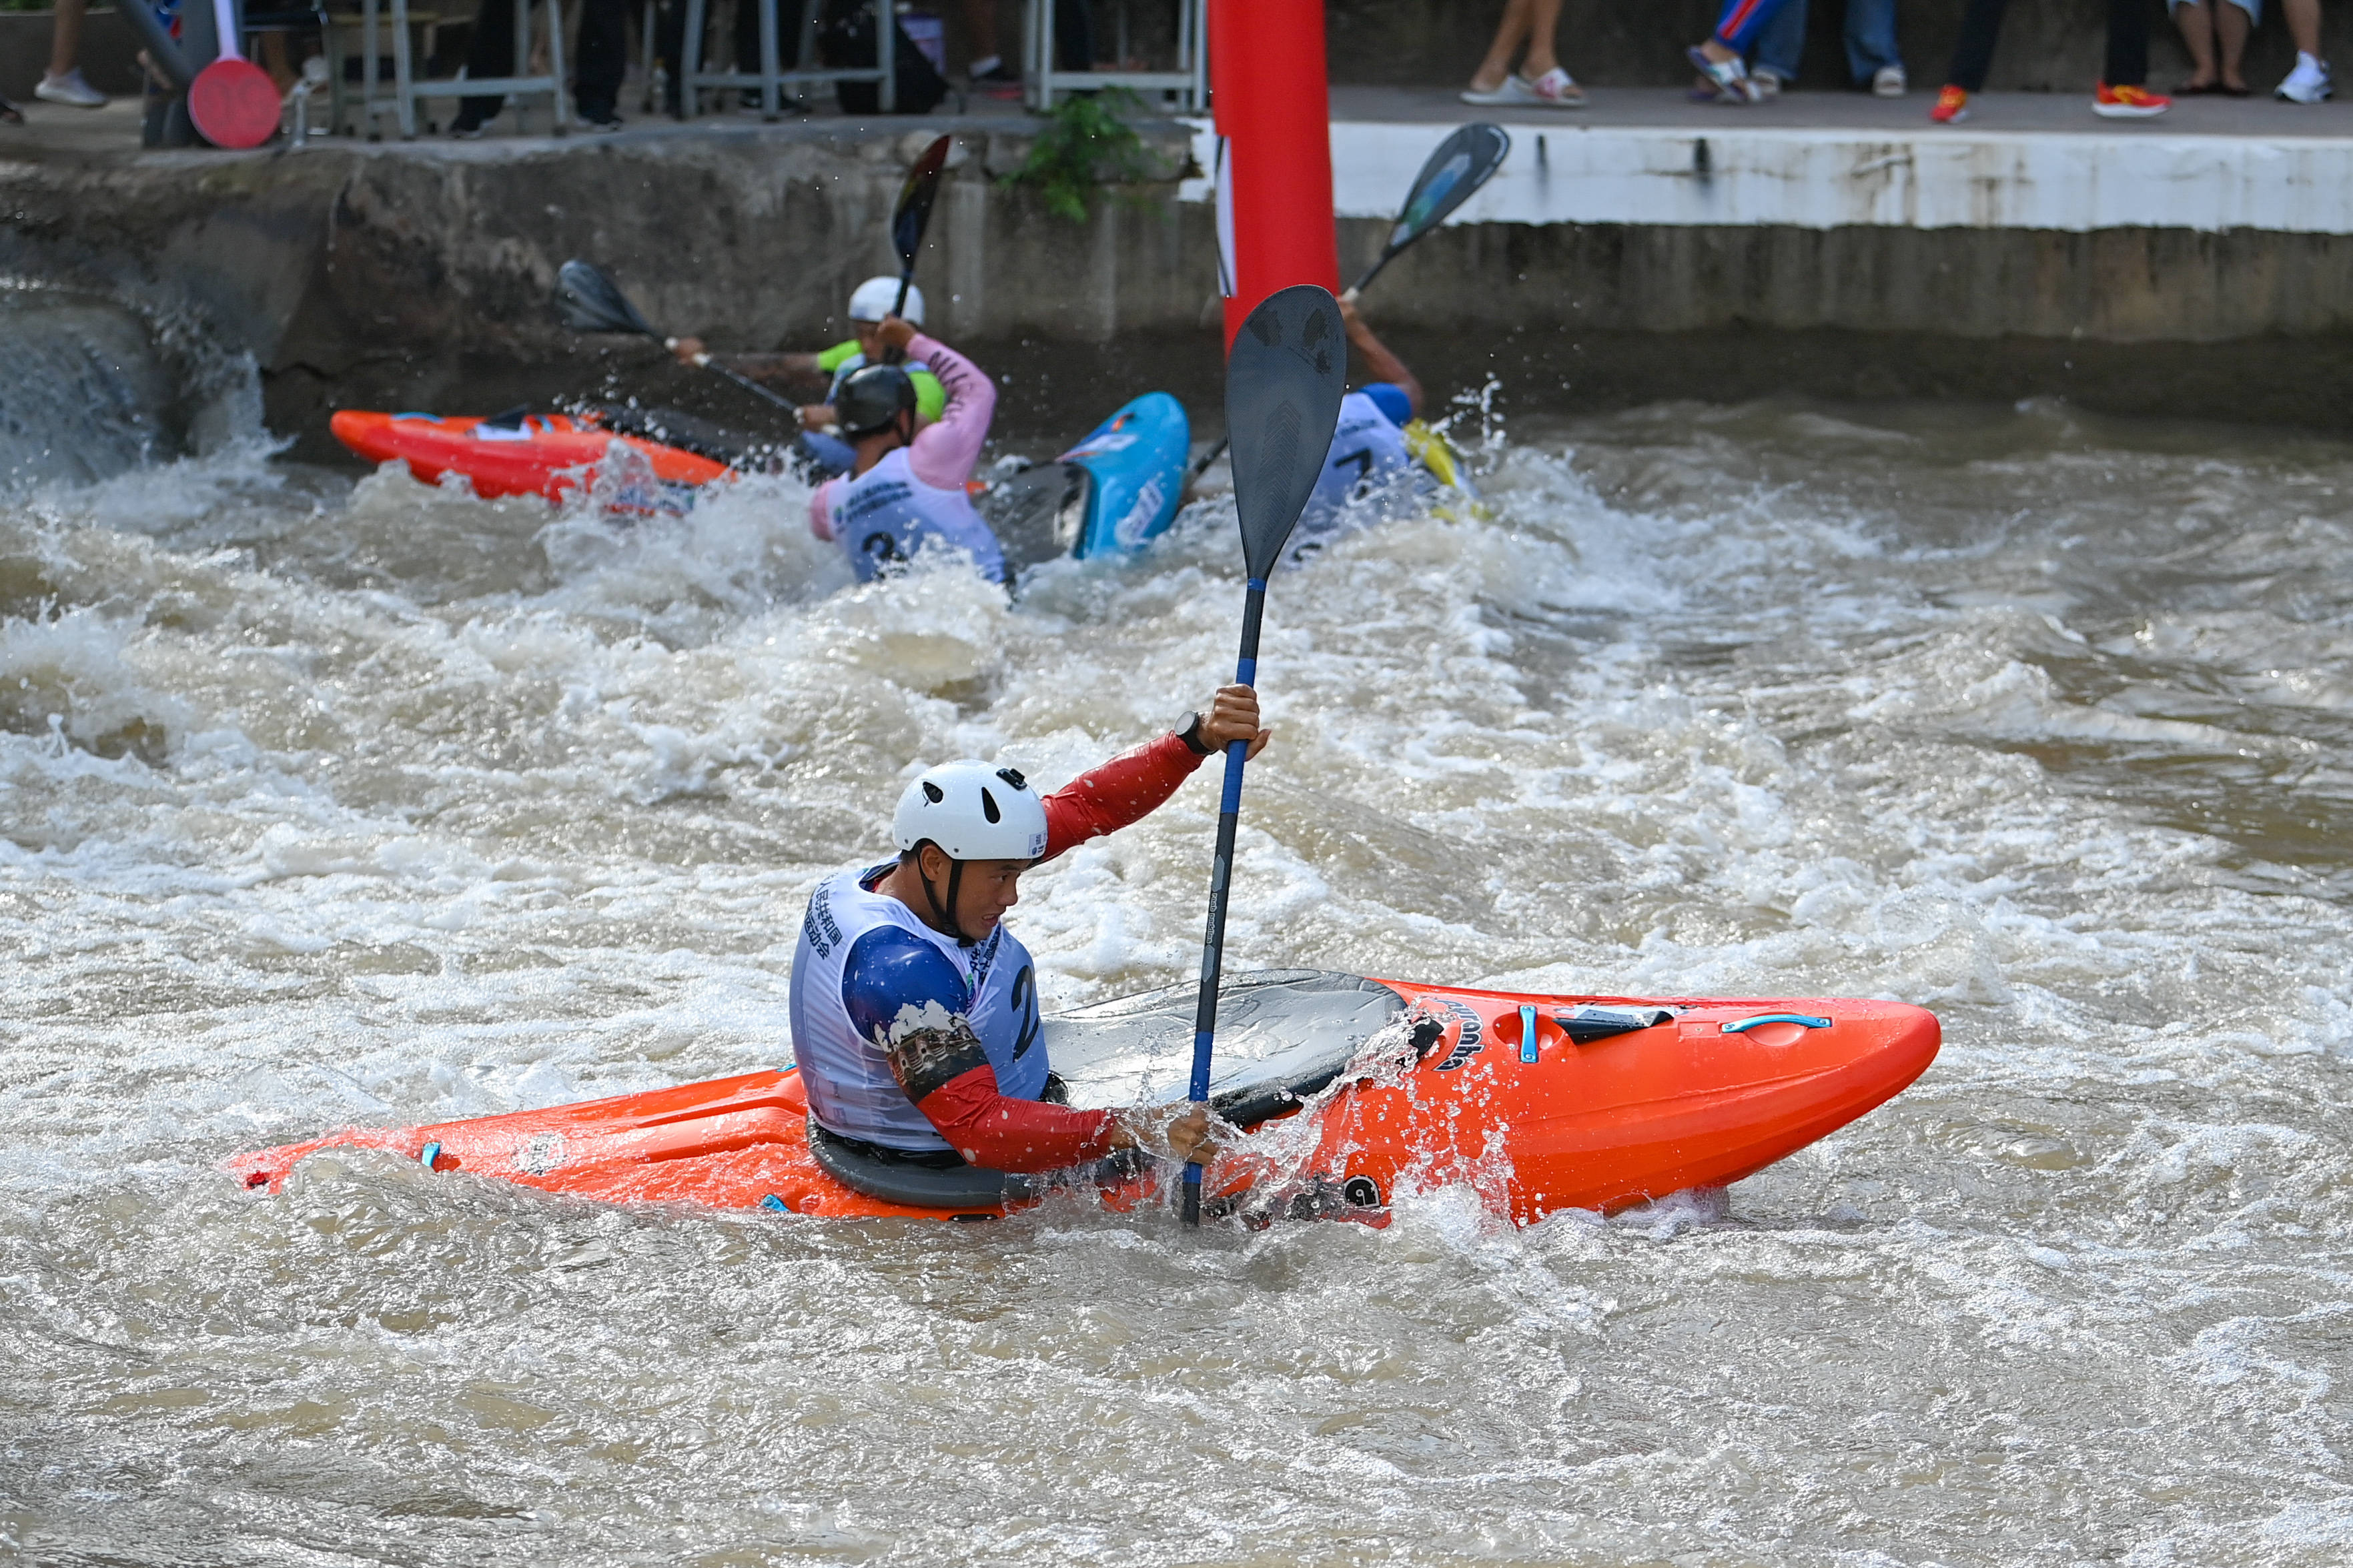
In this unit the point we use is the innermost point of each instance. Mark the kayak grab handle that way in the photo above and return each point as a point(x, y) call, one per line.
point(1528, 1032)
point(1742, 1025)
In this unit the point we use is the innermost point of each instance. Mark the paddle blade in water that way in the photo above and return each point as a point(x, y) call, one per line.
point(591, 302)
point(914, 213)
point(1284, 380)
point(233, 103)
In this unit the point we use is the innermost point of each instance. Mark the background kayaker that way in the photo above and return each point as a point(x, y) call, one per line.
point(1368, 449)
point(905, 489)
point(818, 376)
point(915, 1011)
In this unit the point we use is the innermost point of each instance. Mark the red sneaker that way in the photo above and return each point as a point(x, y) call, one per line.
point(1952, 106)
point(2128, 102)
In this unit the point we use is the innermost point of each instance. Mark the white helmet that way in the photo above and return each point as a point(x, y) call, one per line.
point(877, 295)
point(973, 812)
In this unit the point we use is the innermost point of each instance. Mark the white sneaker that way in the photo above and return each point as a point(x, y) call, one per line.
point(1888, 81)
point(2308, 83)
point(70, 88)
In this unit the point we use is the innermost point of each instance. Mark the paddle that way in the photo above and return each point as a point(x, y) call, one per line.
point(591, 302)
point(1463, 163)
point(910, 218)
point(1284, 380)
point(232, 102)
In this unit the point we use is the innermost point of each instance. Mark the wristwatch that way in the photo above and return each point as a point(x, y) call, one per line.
point(1191, 735)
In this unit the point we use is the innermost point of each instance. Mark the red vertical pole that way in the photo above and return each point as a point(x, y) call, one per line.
point(1274, 111)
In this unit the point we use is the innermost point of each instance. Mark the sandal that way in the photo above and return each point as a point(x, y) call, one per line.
point(10, 114)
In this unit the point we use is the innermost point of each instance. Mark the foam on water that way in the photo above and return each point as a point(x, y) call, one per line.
point(328, 802)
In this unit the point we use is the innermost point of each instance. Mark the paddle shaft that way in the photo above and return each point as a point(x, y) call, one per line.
point(891, 352)
point(738, 377)
point(1222, 876)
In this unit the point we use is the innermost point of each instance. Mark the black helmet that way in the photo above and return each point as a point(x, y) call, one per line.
point(872, 398)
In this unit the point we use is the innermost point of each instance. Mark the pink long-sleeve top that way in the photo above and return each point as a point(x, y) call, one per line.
point(945, 450)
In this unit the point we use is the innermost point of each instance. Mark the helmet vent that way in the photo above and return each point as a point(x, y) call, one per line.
point(1013, 776)
point(934, 793)
point(988, 806)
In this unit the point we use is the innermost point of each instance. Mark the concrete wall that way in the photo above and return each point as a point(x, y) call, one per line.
point(420, 276)
point(2054, 46)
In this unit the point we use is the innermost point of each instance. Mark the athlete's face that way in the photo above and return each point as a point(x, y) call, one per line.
point(869, 340)
point(989, 889)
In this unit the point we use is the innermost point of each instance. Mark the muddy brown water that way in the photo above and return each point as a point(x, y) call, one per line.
point(329, 802)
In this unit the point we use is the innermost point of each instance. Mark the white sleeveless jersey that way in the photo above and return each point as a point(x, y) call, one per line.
point(887, 514)
point(867, 966)
point(1368, 454)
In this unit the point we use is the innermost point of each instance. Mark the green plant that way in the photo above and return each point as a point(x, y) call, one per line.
point(1087, 142)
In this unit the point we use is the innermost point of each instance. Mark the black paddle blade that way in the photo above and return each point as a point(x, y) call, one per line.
point(1463, 163)
point(591, 302)
point(1284, 380)
point(914, 213)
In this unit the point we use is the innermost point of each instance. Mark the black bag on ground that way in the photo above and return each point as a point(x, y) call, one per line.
point(845, 41)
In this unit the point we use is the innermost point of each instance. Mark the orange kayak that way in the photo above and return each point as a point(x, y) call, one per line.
point(1354, 1087)
point(554, 456)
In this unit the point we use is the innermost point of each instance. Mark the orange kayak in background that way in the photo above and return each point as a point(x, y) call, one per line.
point(1354, 1087)
point(555, 455)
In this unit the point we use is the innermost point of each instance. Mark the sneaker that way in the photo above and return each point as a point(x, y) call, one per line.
point(1558, 89)
point(601, 119)
point(2308, 83)
point(466, 128)
point(1889, 82)
point(1730, 78)
point(1952, 106)
point(2128, 102)
point(70, 88)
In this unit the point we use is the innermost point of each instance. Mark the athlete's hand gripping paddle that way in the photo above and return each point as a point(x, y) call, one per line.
point(232, 102)
point(910, 218)
point(1463, 163)
point(1284, 380)
point(591, 302)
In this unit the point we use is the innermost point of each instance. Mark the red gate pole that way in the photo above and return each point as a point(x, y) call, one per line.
point(1274, 112)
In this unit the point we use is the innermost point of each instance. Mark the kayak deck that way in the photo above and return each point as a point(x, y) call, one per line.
point(1540, 1103)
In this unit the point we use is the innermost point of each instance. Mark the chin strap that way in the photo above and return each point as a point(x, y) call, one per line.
point(945, 918)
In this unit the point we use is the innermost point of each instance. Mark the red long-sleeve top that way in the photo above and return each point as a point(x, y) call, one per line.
point(992, 1129)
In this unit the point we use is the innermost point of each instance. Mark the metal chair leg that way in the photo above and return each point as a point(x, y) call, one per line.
point(690, 61)
point(403, 76)
point(555, 65)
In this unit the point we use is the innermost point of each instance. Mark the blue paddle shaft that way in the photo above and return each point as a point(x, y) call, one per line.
point(1222, 876)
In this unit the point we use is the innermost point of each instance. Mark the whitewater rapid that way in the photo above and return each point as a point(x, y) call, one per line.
point(328, 802)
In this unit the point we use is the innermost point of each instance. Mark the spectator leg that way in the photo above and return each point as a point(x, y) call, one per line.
point(2231, 25)
point(1742, 20)
point(1544, 22)
point(2196, 23)
point(1781, 42)
point(65, 36)
point(1871, 45)
point(2127, 44)
point(604, 59)
point(1973, 51)
point(492, 54)
point(1509, 33)
point(2304, 24)
point(670, 48)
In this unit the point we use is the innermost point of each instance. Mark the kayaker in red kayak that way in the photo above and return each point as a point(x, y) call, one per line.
point(905, 490)
point(914, 1012)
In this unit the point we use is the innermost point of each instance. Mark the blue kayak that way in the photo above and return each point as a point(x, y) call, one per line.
point(1111, 493)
